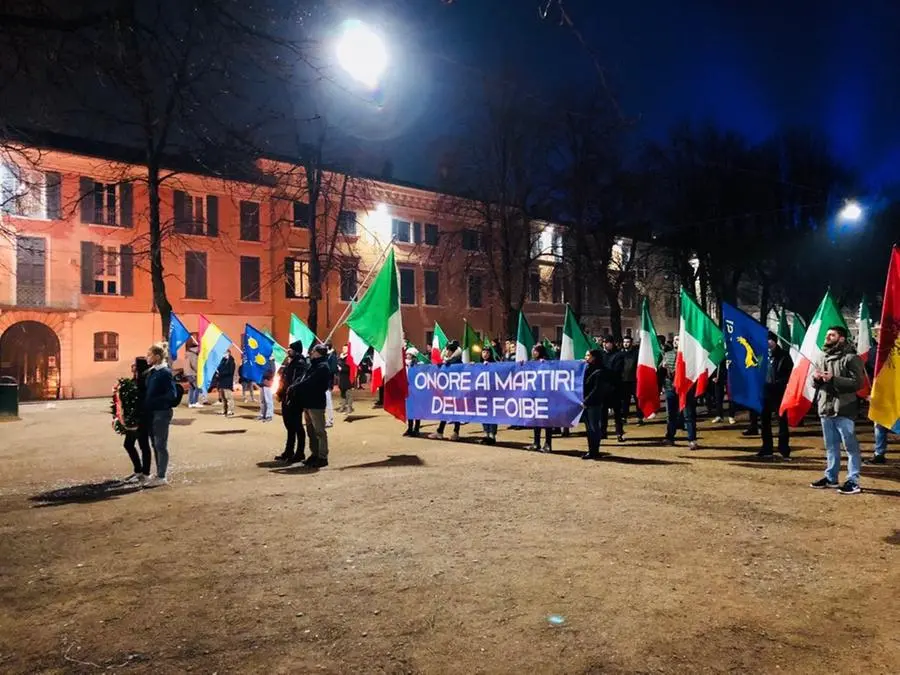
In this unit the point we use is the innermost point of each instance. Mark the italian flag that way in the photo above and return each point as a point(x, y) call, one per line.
point(438, 342)
point(649, 354)
point(784, 335)
point(864, 343)
point(356, 350)
point(471, 345)
point(798, 396)
point(376, 320)
point(300, 331)
point(575, 343)
point(798, 331)
point(701, 347)
point(524, 340)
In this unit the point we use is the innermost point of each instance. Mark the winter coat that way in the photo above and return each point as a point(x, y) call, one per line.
point(837, 397)
point(291, 374)
point(781, 364)
point(310, 390)
point(594, 385)
point(611, 375)
point(629, 359)
point(344, 374)
point(225, 372)
point(451, 358)
point(191, 362)
point(160, 390)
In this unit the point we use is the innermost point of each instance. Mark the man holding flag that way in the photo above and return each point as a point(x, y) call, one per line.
point(778, 372)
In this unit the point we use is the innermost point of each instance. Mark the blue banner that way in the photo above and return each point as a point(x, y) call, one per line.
point(747, 354)
point(531, 394)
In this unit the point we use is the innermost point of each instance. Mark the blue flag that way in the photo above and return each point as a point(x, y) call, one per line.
point(747, 355)
point(178, 335)
point(258, 348)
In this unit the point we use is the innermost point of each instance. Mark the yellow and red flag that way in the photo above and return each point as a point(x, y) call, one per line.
point(884, 408)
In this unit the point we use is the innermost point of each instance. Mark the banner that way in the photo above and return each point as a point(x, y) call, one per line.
point(531, 394)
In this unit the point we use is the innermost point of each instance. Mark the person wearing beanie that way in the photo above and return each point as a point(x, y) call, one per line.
point(310, 392)
point(291, 410)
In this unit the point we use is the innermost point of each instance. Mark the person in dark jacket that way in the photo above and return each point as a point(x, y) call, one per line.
point(141, 435)
point(490, 430)
point(629, 357)
point(611, 369)
point(344, 383)
point(717, 400)
point(593, 402)
point(291, 410)
point(539, 353)
point(412, 425)
point(225, 371)
point(333, 367)
point(778, 373)
point(310, 391)
point(158, 402)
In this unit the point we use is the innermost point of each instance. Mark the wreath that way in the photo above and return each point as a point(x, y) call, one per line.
point(124, 408)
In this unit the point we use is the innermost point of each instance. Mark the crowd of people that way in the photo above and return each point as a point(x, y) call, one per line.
point(305, 385)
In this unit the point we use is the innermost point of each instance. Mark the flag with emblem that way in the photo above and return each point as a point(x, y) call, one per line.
point(258, 350)
point(178, 335)
point(800, 392)
point(885, 403)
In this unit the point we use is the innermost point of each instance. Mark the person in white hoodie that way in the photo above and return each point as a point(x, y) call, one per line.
point(190, 373)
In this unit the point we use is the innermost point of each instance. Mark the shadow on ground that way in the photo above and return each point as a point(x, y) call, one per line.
point(182, 421)
point(225, 432)
point(85, 493)
point(392, 460)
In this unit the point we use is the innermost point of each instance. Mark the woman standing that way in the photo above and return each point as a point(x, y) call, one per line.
point(138, 433)
point(490, 430)
point(412, 426)
point(159, 399)
point(539, 353)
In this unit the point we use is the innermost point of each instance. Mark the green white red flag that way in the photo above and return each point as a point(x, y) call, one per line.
point(701, 347)
point(800, 392)
point(376, 320)
point(649, 355)
point(524, 340)
point(864, 343)
point(438, 342)
point(575, 344)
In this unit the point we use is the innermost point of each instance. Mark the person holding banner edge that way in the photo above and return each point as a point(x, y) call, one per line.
point(539, 353)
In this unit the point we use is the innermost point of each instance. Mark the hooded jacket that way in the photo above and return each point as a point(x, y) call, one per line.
point(309, 391)
point(837, 397)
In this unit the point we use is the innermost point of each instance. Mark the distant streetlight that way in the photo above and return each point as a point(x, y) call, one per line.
point(361, 52)
point(851, 212)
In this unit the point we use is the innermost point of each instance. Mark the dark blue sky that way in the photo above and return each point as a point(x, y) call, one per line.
point(749, 66)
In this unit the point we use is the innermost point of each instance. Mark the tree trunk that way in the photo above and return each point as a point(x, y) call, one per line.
point(156, 263)
point(615, 315)
point(314, 183)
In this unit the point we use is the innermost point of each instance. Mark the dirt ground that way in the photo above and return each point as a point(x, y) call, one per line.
point(414, 556)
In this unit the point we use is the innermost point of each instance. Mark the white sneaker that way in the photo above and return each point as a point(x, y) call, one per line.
point(132, 479)
point(436, 436)
point(454, 437)
point(731, 420)
point(155, 481)
point(692, 445)
point(229, 414)
point(716, 420)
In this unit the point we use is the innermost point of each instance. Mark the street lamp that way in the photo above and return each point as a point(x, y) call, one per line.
point(851, 212)
point(362, 53)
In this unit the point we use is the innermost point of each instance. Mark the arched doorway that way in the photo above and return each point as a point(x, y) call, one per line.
point(29, 351)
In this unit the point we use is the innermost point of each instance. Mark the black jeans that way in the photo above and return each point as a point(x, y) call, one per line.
point(141, 437)
point(548, 434)
point(296, 437)
point(720, 388)
point(629, 392)
point(592, 416)
point(615, 404)
point(770, 405)
point(413, 426)
point(443, 425)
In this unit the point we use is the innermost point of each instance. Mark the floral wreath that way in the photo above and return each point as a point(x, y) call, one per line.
point(124, 408)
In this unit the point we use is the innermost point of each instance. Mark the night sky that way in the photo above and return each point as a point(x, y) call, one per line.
point(753, 67)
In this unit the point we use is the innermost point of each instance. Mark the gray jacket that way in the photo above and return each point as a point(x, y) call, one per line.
point(191, 362)
point(837, 397)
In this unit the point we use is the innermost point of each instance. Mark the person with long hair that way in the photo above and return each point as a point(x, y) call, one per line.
point(140, 435)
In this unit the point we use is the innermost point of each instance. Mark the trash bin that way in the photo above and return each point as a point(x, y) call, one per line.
point(9, 396)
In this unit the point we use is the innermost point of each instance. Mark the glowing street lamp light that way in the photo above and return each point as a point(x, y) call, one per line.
point(852, 212)
point(361, 52)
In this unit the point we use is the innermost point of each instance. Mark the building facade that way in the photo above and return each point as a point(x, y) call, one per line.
point(76, 302)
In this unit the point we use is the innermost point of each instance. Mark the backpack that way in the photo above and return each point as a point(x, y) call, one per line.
point(177, 393)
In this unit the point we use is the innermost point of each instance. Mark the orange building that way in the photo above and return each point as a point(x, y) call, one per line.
point(76, 303)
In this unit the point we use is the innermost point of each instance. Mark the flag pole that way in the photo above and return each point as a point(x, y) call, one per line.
point(377, 265)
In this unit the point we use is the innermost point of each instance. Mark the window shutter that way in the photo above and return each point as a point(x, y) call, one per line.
point(417, 233)
point(126, 269)
point(212, 216)
point(394, 228)
point(179, 207)
point(86, 198)
point(54, 199)
point(87, 267)
point(289, 290)
point(126, 204)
